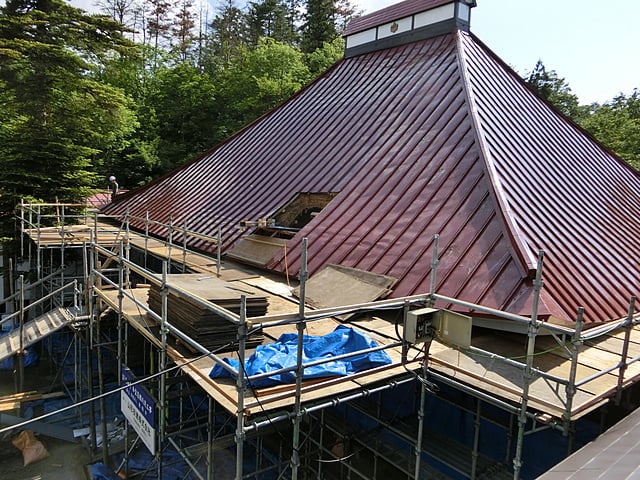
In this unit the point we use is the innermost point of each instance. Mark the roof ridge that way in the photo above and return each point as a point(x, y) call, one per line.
point(527, 261)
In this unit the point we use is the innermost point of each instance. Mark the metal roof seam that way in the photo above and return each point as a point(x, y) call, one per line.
point(529, 262)
point(377, 147)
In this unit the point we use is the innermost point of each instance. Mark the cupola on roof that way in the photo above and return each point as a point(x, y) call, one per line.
point(406, 22)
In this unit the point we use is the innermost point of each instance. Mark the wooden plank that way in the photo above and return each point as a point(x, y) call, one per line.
point(11, 402)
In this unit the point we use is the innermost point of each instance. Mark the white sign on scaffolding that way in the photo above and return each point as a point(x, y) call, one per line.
point(139, 409)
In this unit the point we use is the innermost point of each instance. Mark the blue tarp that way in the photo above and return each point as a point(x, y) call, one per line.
point(99, 471)
point(282, 354)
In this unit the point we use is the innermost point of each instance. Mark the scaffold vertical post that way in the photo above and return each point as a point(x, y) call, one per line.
point(434, 267)
point(63, 242)
point(127, 248)
point(146, 237)
point(624, 356)
point(423, 400)
point(22, 229)
point(297, 419)
point(169, 242)
point(21, 320)
point(184, 247)
point(162, 367)
point(528, 370)
point(38, 250)
point(570, 388)
point(476, 438)
point(218, 251)
point(101, 402)
point(91, 312)
point(210, 436)
point(241, 387)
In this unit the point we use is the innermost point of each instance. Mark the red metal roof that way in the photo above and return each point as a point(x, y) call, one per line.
point(432, 137)
point(391, 13)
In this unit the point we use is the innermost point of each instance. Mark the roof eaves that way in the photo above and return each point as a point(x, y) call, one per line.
point(528, 262)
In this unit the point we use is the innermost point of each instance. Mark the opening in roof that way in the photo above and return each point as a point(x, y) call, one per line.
point(302, 208)
point(270, 235)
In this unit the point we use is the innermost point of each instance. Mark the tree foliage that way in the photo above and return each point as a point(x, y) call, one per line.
point(555, 90)
point(617, 125)
point(259, 80)
point(59, 121)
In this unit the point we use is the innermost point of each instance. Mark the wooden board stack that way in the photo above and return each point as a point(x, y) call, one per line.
point(203, 325)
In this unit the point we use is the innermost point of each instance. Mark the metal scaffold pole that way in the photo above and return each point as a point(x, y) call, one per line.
point(423, 399)
point(146, 237)
point(92, 314)
point(218, 251)
point(570, 388)
point(184, 247)
point(38, 250)
point(240, 386)
point(162, 367)
point(425, 362)
point(21, 320)
point(210, 435)
point(624, 356)
point(476, 438)
point(123, 350)
point(101, 403)
point(169, 241)
point(22, 229)
point(127, 250)
point(297, 419)
point(528, 370)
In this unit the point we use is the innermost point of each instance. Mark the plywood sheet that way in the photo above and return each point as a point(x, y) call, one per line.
point(337, 285)
point(257, 249)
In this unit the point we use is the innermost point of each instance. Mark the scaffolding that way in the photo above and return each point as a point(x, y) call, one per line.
point(305, 430)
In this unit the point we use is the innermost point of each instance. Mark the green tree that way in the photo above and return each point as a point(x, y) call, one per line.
point(58, 120)
point(555, 90)
point(259, 80)
point(185, 114)
point(228, 37)
point(617, 125)
point(319, 24)
point(271, 18)
point(137, 162)
point(321, 59)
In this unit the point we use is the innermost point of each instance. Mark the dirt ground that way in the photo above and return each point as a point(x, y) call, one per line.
point(66, 461)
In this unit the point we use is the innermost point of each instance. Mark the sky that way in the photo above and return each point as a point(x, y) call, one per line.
point(592, 44)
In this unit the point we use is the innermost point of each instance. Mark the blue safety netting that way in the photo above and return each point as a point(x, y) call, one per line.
point(282, 354)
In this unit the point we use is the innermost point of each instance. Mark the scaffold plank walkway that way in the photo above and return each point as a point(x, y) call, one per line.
point(33, 331)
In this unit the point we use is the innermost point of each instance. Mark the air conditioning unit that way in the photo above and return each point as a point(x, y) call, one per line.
point(421, 325)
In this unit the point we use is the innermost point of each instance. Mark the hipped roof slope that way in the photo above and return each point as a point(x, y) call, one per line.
point(432, 137)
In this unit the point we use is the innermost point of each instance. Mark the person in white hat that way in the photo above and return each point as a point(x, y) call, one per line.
point(114, 187)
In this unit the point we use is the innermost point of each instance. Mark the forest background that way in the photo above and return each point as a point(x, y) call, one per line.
point(148, 85)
